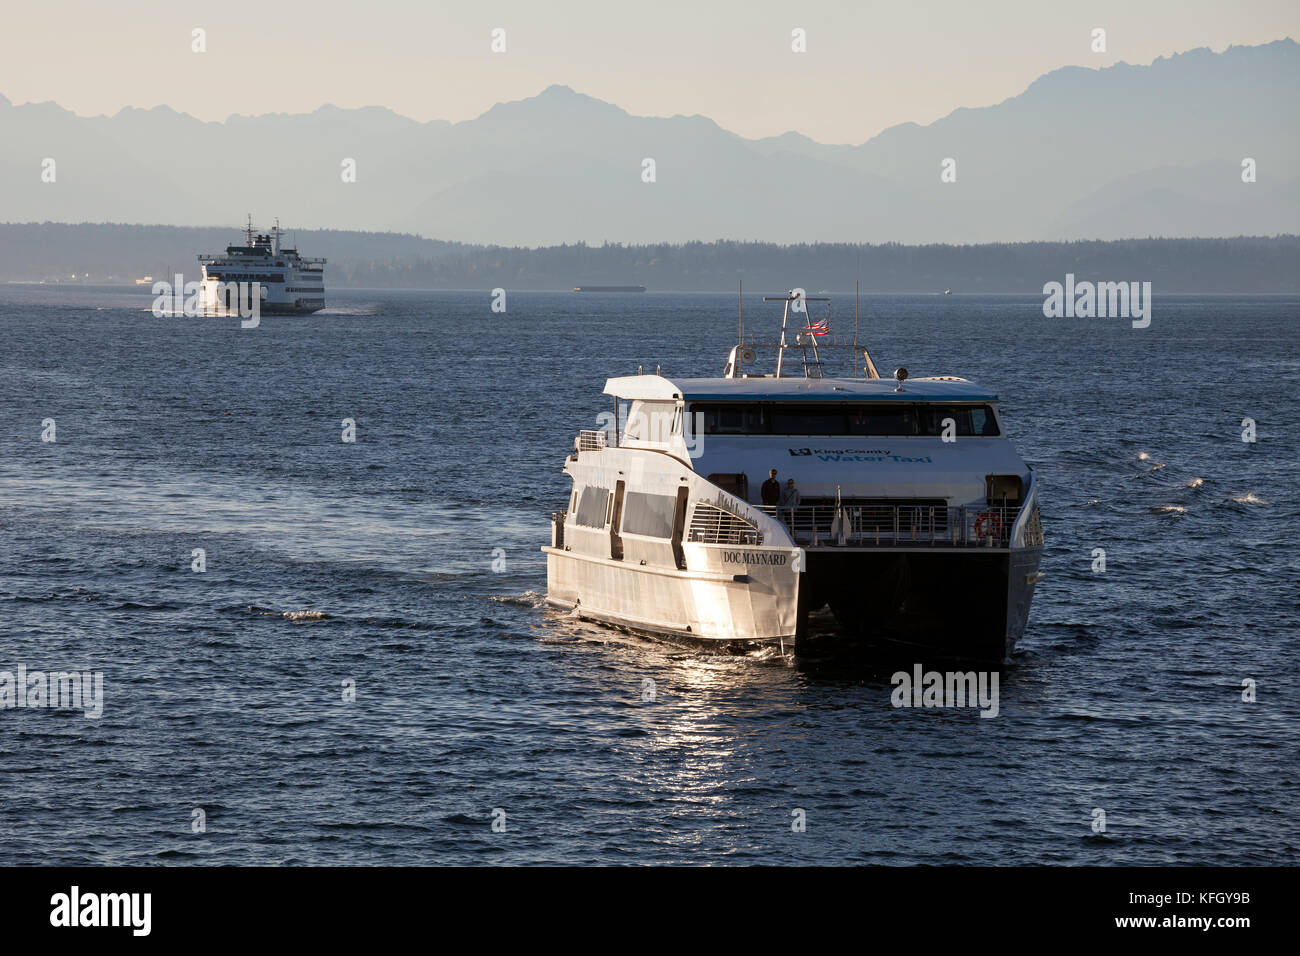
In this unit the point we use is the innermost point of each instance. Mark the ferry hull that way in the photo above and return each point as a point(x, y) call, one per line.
point(957, 605)
point(290, 308)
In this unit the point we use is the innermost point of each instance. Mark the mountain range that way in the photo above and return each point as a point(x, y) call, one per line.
point(1118, 152)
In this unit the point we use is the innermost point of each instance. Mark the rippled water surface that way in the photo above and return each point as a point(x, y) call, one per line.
point(178, 434)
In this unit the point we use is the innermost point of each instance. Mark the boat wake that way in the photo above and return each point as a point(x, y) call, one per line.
point(298, 616)
point(295, 616)
point(1249, 498)
point(528, 599)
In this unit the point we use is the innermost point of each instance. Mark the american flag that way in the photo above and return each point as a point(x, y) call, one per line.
point(818, 328)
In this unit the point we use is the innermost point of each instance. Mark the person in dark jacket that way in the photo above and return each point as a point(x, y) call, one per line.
point(771, 489)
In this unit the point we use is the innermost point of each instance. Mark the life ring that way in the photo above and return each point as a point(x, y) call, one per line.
point(988, 525)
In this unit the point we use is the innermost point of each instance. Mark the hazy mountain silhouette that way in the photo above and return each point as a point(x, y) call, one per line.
point(1123, 151)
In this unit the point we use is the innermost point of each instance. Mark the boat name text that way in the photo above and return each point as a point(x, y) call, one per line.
point(754, 557)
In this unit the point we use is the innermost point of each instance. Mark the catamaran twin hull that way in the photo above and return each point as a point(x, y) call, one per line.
point(949, 604)
point(966, 602)
point(924, 542)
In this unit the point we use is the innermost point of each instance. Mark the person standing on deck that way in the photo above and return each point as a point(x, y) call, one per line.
point(789, 500)
point(771, 490)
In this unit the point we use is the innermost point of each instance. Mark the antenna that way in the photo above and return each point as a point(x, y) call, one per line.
point(857, 306)
point(248, 232)
point(785, 314)
point(740, 303)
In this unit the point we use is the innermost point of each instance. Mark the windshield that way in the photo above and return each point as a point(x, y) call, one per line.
point(882, 419)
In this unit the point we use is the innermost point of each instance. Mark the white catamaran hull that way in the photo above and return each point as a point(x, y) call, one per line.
point(960, 605)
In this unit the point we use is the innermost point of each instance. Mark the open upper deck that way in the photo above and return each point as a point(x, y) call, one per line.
point(798, 371)
point(656, 388)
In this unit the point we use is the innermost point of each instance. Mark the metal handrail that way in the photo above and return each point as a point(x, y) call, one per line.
point(713, 525)
point(590, 440)
point(899, 525)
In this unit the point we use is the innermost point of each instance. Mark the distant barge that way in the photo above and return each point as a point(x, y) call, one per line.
point(609, 288)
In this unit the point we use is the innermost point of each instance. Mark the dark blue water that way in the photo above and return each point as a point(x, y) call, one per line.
point(177, 434)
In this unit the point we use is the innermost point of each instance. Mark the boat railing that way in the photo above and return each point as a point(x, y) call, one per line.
point(590, 440)
point(898, 525)
point(713, 525)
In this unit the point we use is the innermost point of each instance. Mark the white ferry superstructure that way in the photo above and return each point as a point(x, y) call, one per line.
point(290, 283)
point(917, 521)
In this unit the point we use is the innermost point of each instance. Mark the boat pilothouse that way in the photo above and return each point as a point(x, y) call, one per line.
point(290, 283)
point(733, 509)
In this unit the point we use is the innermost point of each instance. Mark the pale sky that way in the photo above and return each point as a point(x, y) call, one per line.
point(868, 65)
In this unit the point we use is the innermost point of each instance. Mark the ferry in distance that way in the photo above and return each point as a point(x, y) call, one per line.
point(609, 288)
point(290, 284)
point(730, 510)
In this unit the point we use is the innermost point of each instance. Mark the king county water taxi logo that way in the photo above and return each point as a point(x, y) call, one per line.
point(855, 455)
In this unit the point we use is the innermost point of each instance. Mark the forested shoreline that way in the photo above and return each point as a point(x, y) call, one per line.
point(107, 253)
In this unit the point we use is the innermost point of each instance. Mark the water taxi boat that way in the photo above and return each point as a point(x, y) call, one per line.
point(915, 520)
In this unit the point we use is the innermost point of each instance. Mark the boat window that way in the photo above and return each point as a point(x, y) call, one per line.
point(882, 419)
point(592, 507)
point(885, 420)
point(650, 515)
point(808, 419)
point(650, 421)
point(732, 419)
point(971, 420)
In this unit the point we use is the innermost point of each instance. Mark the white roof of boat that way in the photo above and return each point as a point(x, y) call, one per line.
point(766, 389)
